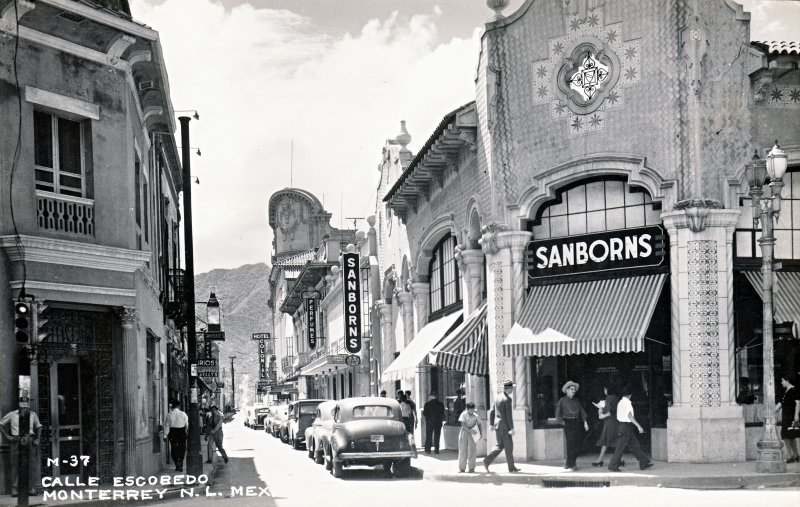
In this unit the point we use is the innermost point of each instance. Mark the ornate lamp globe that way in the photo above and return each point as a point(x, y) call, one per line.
point(777, 161)
point(213, 313)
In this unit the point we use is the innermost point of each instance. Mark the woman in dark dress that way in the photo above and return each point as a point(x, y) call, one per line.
point(790, 403)
point(607, 411)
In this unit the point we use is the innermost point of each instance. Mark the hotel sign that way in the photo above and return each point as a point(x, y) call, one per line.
point(590, 253)
point(262, 359)
point(352, 302)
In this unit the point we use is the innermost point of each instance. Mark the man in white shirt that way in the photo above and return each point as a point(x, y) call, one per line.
point(176, 426)
point(627, 438)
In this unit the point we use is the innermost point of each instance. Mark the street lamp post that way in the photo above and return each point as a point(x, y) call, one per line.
point(194, 459)
point(765, 210)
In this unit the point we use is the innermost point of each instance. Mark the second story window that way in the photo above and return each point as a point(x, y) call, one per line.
point(445, 277)
point(59, 154)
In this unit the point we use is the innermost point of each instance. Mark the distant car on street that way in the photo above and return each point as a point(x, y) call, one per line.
point(279, 420)
point(301, 415)
point(318, 434)
point(369, 431)
point(259, 415)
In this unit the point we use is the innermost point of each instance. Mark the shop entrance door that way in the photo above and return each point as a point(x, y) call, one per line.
point(65, 410)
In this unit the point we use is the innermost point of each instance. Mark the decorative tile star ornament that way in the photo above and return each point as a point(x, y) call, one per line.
point(783, 96)
point(586, 72)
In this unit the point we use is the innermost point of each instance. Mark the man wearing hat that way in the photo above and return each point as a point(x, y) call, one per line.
point(433, 411)
point(215, 431)
point(571, 414)
point(504, 428)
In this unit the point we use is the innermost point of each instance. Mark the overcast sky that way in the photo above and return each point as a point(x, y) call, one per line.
point(332, 77)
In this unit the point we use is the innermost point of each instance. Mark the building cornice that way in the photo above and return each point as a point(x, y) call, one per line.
point(70, 253)
point(74, 288)
point(104, 18)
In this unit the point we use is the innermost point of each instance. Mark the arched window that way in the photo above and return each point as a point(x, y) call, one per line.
point(445, 277)
point(596, 206)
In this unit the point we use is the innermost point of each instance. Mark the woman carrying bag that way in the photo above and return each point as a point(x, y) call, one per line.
point(607, 412)
point(468, 438)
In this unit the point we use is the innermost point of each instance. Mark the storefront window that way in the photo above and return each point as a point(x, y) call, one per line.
point(446, 383)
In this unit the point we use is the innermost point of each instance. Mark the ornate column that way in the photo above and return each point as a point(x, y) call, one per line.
point(471, 266)
point(517, 242)
point(421, 302)
point(129, 318)
point(407, 314)
point(702, 328)
point(388, 345)
point(504, 250)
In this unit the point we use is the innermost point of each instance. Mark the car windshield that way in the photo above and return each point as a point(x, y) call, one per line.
point(372, 411)
point(308, 409)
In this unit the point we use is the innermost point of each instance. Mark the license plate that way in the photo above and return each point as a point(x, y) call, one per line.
point(376, 438)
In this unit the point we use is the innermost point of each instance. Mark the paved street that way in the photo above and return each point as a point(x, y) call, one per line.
point(290, 479)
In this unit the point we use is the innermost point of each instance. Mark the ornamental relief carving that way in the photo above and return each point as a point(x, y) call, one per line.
point(586, 71)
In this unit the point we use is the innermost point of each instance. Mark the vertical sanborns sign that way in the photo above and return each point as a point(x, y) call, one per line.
point(352, 302)
point(311, 322)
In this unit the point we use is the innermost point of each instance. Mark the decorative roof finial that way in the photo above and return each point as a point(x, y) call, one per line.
point(403, 138)
point(497, 6)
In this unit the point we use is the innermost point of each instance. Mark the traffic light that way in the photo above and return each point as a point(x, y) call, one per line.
point(39, 321)
point(23, 326)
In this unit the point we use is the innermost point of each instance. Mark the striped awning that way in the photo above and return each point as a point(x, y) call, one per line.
point(409, 360)
point(595, 317)
point(466, 348)
point(786, 295)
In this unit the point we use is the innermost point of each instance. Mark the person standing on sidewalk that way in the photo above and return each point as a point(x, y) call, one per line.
point(468, 438)
point(607, 412)
point(790, 417)
point(571, 414)
point(504, 431)
point(216, 431)
point(627, 437)
point(413, 405)
point(208, 436)
point(9, 428)
point(433, 411)
point(176, 427)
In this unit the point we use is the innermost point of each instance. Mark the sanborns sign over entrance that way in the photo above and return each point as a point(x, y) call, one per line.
point(605, 251)
point(352, 302)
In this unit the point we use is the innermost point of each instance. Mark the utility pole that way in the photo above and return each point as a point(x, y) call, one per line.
point(194, 459)
point(233, 384)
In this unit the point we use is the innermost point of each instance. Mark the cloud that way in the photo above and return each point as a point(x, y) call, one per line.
point(264, 79)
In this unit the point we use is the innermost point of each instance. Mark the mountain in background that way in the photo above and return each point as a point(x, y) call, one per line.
point(243, 293)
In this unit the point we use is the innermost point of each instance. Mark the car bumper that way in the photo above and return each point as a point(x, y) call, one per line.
point(355, 456)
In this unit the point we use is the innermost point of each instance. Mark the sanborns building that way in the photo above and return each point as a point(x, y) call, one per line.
point(590, 212)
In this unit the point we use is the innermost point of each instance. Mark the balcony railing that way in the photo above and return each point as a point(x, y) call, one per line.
point(64, 213)
point(176, 308)
point(287, 364)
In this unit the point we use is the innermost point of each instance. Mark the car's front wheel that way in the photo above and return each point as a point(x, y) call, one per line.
point(338, 468)
point(328, 460)
point(319, 458)
point(310, 449)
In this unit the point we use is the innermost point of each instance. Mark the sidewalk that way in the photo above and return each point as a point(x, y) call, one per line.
point(209, 469)
point(444, 467)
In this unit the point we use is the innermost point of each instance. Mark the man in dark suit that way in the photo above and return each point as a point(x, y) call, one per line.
point(504, 428)
point(433, 411)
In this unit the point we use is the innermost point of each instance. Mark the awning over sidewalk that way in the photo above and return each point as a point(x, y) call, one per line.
point(405, 366)
point(594, 317)
point(466, 348)
point(786, 299)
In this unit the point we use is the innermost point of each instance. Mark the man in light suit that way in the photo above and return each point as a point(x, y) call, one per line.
point(504, 428)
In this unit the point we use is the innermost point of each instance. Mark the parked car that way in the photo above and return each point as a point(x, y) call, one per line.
point(369, 431)
point(318, 434)
point(250, 420)
point(279, 420)
point(259, 415)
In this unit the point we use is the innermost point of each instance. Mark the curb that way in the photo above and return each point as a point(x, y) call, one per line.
point(785, 480)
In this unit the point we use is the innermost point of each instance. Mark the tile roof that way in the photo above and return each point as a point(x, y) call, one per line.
point(781, 47)
point(298, 259)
